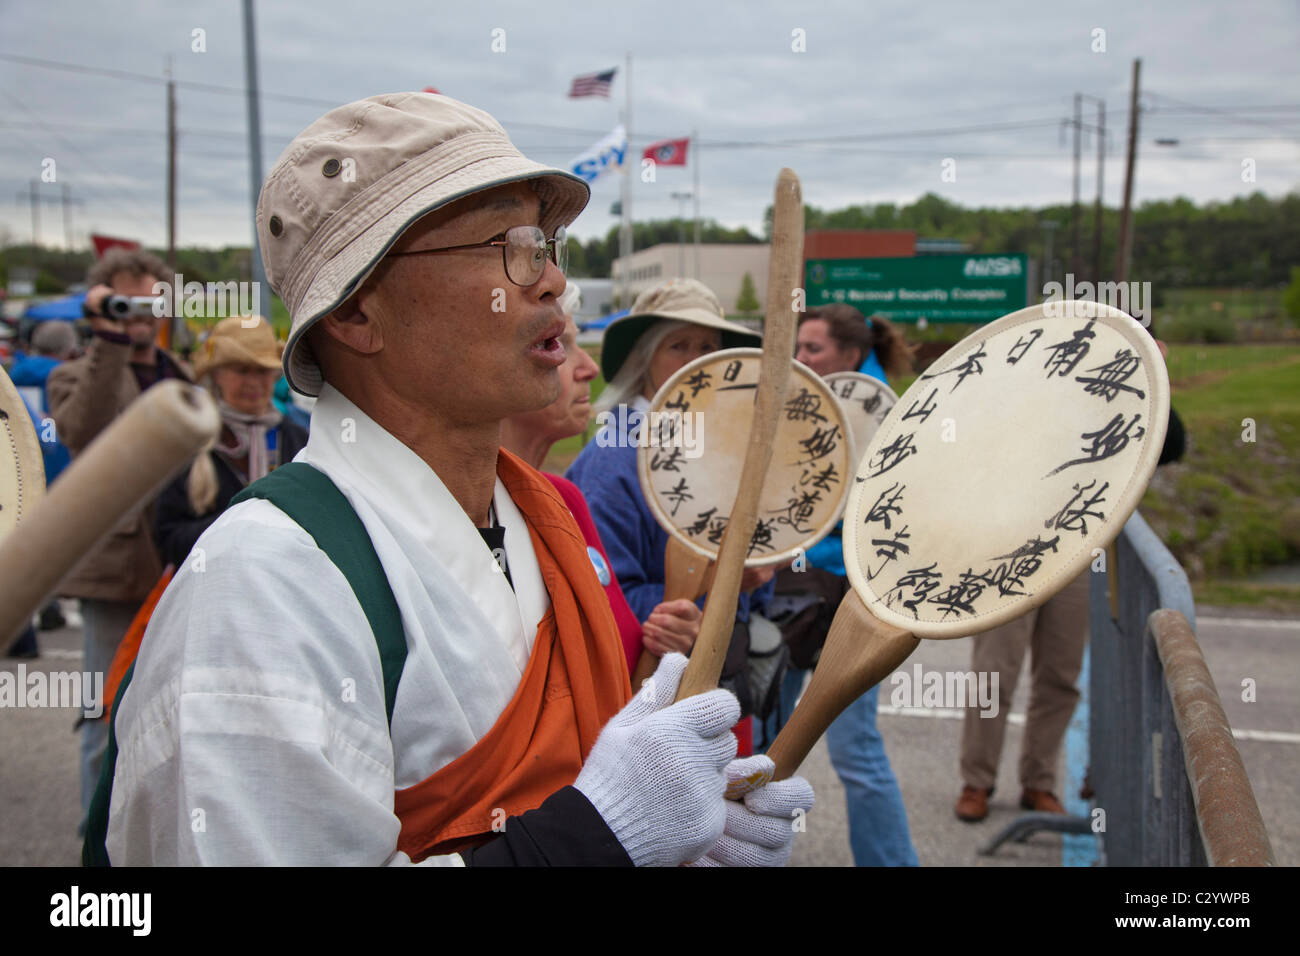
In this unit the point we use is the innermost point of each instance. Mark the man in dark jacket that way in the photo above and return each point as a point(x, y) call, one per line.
point(85, 395)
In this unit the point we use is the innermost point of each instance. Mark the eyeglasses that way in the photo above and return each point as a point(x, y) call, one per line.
point(524, 250)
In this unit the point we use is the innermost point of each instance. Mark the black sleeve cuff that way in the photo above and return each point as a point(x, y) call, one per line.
point(565, 830)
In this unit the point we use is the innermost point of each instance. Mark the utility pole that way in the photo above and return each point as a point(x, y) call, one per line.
point(36, 196)
point(1101, 170)
point(1049, 229)
point(36, 214)
point(171, 167)
point(254, 141)
point(68, 203)
point(1126, 213)
point(1074, 205)
point(1076, 217)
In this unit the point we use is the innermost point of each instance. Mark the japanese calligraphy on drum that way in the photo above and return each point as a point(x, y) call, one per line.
point(692, 448)
point(995, 471)
point(866, 402)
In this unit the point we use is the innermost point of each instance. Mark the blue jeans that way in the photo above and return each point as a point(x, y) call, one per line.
point(878, 831)
point(105, 623)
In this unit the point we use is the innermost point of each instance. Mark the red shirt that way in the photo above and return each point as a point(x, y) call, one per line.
point(629, 628)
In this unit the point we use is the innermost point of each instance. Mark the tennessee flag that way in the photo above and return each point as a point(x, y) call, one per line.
point(667, 152)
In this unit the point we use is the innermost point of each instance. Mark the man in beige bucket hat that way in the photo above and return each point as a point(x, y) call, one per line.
point(396, 649)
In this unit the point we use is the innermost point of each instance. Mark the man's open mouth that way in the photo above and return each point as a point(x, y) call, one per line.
point(548, 347)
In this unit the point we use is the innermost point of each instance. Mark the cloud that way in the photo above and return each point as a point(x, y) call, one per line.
point(886, 73)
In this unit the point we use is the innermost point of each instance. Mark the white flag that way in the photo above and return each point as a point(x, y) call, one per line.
point(606, 155)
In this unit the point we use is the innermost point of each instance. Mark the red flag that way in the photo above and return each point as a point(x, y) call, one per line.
point(668, 152)
point(104, 243)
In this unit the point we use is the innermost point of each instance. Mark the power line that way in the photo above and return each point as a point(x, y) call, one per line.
point(84, 156)
point(239, 90)
point(1216, 111)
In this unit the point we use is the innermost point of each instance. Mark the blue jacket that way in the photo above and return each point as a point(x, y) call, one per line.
point(828, 553)
point(605, 472)
point(31, 371)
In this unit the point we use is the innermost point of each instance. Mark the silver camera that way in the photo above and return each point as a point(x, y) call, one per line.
point(129, 306)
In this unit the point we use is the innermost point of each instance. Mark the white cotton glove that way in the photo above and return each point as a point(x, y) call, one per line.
point(656, 772)
point(760, 831)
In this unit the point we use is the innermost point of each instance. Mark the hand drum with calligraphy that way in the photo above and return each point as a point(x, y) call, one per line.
point(995, 481)
point(698, 429)
point(866, 402)
point(22, 471)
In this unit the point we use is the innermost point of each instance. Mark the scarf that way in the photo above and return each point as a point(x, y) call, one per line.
point(250, 438)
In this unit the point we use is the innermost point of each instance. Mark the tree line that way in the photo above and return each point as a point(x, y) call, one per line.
point(1250, 241)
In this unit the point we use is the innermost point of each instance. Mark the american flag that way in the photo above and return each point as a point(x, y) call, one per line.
point(593, 84)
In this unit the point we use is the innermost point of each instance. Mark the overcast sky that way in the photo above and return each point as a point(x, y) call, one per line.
point(916, 82)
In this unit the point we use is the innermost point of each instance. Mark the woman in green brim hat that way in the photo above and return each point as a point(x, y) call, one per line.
point(670, 325)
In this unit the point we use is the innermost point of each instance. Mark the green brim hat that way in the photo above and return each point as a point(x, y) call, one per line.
point(685, 300)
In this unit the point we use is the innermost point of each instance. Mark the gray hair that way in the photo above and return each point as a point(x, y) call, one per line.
point(571, 298)
point(54, 338)
point(631, 378)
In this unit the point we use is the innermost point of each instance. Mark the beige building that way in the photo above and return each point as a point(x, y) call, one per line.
point(722, 267)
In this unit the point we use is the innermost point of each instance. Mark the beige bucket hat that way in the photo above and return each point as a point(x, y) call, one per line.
point(351, 183)
point(238, 340)
point(686, 300)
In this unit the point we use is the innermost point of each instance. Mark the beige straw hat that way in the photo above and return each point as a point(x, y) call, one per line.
point(238, 340)
point(351, 183)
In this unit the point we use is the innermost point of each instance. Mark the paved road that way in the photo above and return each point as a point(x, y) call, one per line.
point(38, 758)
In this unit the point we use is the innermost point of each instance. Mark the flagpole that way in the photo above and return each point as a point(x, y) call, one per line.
point(625, 231)
point(695, 146)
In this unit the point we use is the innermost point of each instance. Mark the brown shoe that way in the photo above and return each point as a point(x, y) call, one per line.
point(1042, 801)
point(973, 804)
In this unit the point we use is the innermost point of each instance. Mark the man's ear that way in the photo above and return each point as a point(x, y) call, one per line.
point(353, 325)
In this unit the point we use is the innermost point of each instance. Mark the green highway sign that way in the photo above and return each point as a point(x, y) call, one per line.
point(960, 288)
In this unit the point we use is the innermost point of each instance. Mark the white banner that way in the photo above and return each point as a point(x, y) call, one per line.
point(605, 155)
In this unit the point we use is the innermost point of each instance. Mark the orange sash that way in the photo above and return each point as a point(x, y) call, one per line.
point(575, 681)
point(129, 646)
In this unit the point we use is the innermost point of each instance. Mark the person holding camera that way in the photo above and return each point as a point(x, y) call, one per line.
point(85, 395)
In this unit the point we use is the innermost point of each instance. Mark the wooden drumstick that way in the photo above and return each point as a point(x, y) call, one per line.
point(687, 575)
point(784, 277)
point(121, 469)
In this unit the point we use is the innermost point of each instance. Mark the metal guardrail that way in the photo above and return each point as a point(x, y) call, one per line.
point(1155, 714)
point(1232, 830)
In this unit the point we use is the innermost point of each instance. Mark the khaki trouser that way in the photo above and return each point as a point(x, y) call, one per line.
point(1057, 633)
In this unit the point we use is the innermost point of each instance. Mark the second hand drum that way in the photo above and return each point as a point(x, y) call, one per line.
point(866, 401)
point(999, 476)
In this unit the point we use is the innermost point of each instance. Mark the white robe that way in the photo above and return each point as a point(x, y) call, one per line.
point(254, 729)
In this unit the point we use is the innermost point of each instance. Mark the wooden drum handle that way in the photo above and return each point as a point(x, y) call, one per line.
point(785, 266)
point(686, 575)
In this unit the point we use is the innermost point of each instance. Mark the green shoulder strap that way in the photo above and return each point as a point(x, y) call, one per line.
point(314, 502)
